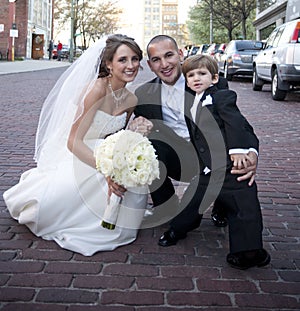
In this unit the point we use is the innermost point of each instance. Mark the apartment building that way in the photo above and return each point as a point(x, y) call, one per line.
point(25, 28)
point(153, 17)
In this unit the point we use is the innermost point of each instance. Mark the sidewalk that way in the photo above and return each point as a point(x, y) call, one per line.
point(30, 65)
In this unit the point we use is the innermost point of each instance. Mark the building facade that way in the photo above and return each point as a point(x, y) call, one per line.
point(153, 17)
point(26, 27)
point(272, 13)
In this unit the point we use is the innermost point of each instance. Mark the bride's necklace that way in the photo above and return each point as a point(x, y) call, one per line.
point(117, 99)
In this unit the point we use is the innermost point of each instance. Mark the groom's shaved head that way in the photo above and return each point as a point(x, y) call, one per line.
point(160, 38)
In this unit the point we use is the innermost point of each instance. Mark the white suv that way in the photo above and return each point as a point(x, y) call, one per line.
point(279, 61)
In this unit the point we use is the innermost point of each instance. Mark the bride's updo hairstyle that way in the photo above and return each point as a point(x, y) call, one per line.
point(113, 42)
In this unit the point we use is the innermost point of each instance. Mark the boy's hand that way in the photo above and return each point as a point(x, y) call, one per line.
point(245, 166)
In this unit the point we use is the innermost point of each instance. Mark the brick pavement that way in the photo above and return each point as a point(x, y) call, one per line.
point(193, 275)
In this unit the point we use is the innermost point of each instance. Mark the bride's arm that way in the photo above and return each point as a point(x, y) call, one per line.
point(80, 127)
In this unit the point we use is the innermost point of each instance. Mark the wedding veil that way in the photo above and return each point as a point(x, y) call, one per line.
point(59, 109)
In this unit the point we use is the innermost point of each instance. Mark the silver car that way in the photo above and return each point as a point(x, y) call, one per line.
point(238, 57)
point(279, 62)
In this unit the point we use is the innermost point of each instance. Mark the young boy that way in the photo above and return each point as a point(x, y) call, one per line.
point(220, 134)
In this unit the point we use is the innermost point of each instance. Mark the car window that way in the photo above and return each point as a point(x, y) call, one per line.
point(278, 37)
point(270, 40)
point(248, 45)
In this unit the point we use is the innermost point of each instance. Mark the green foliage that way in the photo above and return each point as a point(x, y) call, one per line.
point(92, 18)
point(231, 20)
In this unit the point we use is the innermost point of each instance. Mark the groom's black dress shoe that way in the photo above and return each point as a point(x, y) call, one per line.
point(219, 220)
point(170, 237)
point(248, 259)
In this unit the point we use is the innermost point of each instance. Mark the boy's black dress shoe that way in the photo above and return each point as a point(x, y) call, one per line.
point(248, 259)
point(170, 237)
point(219, 220)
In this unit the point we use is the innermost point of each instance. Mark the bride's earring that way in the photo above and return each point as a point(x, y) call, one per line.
point(110, 72)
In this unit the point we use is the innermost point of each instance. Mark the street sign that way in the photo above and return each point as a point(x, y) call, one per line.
point(1, 27)
point(13, 33)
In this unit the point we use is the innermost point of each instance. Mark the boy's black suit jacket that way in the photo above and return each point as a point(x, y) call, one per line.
point(221, 119)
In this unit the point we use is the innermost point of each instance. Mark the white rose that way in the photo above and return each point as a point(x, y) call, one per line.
point(106, 167)
point(119, 161)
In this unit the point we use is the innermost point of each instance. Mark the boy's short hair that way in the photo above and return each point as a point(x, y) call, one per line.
point(199, 61)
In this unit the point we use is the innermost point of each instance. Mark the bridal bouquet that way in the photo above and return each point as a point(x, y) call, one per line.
point(130, 160)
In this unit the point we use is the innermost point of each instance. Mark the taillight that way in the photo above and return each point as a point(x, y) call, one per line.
point(295, 36)
point(236, 56)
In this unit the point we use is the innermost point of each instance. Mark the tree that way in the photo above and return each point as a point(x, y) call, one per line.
point(245, 7)
point(92, 19)
point(231, 19)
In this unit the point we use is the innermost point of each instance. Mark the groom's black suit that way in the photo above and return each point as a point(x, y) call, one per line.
point(180, 158)
point(177, 154)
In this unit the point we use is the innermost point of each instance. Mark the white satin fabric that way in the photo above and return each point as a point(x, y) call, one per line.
point(65, 201)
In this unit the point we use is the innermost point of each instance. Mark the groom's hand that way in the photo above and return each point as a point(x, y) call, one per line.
point(140, 125)
point(249, 171)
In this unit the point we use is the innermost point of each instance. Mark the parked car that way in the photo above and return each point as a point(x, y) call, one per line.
point(194, 50)
point(212, 49)
point(279, 61)
point(220, 51)
point(186, 50)
point(238, 57)
point(65, 51)
point(203, 48)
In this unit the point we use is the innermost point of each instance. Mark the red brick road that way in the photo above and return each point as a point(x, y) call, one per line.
point(193, 275)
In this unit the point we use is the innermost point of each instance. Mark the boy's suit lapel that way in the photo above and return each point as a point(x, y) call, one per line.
point(205, 102)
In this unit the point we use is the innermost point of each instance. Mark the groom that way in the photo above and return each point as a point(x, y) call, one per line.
point(164, 113)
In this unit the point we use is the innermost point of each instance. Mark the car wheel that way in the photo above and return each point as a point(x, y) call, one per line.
point(226, 74)
point(277, 94)
point(257, 83)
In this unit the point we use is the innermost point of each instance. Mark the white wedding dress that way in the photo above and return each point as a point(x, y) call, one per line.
point(65, 202)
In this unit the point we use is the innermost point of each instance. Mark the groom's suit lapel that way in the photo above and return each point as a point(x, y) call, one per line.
point(153, 95)
point(189, 96)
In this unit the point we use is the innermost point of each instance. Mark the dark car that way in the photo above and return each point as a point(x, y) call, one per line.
point(238, 57)
point(279, 61)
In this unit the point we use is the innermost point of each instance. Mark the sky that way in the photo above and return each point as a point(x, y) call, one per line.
point(183, 9)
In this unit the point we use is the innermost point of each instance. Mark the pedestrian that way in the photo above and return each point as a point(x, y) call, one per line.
point(50, 49)
point(59, 50)
point(170, 135)
point(64, 198)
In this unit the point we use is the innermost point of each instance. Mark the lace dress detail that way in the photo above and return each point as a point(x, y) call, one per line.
point(105, 124)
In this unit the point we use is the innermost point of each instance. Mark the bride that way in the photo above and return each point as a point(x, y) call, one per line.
point(64, 197)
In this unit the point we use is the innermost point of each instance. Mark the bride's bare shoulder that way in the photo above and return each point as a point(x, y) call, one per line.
point(98, 89)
